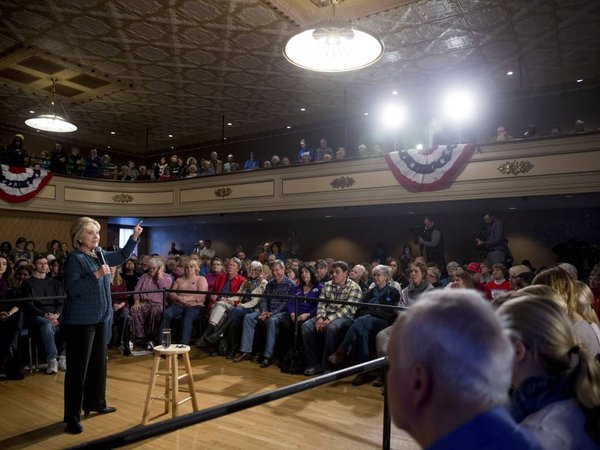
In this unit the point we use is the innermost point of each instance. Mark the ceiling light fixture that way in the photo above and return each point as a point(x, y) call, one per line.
point(333, 47)
point(510, 73)
point(51, 122)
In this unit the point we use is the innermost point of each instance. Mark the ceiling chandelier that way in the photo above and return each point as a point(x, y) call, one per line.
point(51, 122)
point(333, 47)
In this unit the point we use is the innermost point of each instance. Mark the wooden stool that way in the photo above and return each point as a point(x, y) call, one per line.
point(172, 378)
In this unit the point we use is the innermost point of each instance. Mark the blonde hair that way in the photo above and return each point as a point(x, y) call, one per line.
point(188, 261)
point(564, 283)
point(548, 292)
point(585, 300)
point(547, 332)
point(116, 279)
point(79, 226)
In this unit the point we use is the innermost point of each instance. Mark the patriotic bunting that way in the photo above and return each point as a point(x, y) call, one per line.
point(19, 184)
point(429, 170)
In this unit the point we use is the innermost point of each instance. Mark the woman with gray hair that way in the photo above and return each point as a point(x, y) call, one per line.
point(147, 307)
point(370, 320)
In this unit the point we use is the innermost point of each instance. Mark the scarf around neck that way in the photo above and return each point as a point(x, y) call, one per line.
point(536, 392)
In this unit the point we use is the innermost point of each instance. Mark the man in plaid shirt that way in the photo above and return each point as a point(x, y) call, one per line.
point(323, 333)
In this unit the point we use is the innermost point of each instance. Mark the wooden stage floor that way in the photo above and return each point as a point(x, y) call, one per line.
point(330, 417)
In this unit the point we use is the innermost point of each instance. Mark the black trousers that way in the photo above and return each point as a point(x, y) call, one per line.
point(85, 380)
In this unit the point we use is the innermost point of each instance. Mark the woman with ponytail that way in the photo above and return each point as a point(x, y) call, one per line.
point(556, 381)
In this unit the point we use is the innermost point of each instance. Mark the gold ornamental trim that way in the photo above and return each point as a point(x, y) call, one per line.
point(122, 198)
point(515, 167)
point(342, 182)
point(223, 192)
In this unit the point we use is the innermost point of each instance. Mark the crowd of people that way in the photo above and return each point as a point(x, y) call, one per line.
point(275, 307)
point(74, 163)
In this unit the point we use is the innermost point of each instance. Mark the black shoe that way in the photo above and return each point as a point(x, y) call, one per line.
point(266, 362)
point(17, 375)
point(378, 382)
point(74, 428)
point(361, 378)
point(105, 410)
point(243, 357)
point(256, 358)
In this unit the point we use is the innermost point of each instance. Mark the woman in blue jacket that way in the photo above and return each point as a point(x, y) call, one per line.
point(85, 320)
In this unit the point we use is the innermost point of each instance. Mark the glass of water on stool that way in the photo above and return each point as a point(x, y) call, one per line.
point(166, 338)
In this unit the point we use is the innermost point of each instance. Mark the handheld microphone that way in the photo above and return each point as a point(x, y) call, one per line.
point(100, 255)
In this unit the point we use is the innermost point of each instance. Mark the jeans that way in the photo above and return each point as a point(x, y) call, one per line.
point(272, 325)
point(329, 340)
point(358, 336)
point(47, 332)
point(189, 316)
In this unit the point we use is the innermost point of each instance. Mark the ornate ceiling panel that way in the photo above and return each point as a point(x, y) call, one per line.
point(186, 63)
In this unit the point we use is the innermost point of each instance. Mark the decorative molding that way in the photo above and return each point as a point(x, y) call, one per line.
point(122, 198)
point(342, 182)
point(515, 167)
point(223, 192)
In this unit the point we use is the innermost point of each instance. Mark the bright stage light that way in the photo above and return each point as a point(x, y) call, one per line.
point(459, 106)
point(393, 116)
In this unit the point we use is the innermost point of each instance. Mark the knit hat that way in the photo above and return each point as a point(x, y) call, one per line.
point(20, 136)
point(474, 267)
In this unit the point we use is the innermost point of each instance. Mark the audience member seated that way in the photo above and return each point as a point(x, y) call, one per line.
point(20, 251)
point(275, 249)
point(433, 276)
point(486, 272)
point(418, 284)
point(124, 174)
point(216, 269)
point(143, 175)
point(285, 161)
point(132, 171)
point(107, 169)
point(451, 269)
point(461, 280)
point(556, 381)
point(305, 154)
point(11, 324)
point(236, 308)
point(206, 168)
point(267, 164)
point(228, 282)
point(502, 135)
point(585, 306)
point(499, 284)
point(322, 269)
point(309, 288)
point(514, 272)
point(580, 127)
point(43, 315)
point(564, 283)
point(167, 175)
point(356, 275)
point(322, 150)
point(120, 307)
point(216, 163)
point(275, 161)
point(271, 311)
point(474, 269)
point(369, 321)
point(147, 307)
point(231, 165)
point(251, 163)
point(340, 153)
point(448, 388)
point(159, 169)
point(323, 333)
point(189, 306)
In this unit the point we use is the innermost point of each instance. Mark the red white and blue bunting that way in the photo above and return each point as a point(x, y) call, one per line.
point(429, 170)
point(18, 184)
